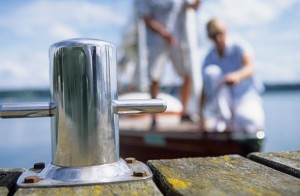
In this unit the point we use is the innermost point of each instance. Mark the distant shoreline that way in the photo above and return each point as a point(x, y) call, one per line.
point(282, 87)
point(29, 93)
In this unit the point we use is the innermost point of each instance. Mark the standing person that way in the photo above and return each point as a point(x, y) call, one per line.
point(167, 39)
point(230, 89)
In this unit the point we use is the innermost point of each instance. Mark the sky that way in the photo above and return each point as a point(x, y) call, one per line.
point(28, 28)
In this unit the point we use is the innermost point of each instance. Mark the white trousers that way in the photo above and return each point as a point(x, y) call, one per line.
point(224, 111)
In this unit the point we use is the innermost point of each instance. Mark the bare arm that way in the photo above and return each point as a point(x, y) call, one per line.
point(160, 29)
point(195, 5)
point(245, 72)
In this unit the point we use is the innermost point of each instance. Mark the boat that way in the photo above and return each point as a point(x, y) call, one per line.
point(175, 139)
point(171, 138)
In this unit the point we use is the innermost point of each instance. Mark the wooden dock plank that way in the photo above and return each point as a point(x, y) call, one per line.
point(225, 175)
point(287, 162)
point(146, 187)
point(8, 179)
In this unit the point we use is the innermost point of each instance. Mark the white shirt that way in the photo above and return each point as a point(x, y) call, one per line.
point(169, 13)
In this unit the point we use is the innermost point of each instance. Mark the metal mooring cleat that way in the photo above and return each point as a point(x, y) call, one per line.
point(84, 110)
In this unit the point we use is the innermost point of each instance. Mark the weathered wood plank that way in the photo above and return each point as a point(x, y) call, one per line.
point(287, 162)
point(146, 187)
point(225, 175)
point(8, 179)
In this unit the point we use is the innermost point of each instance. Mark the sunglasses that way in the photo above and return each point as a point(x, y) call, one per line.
point(214, 36)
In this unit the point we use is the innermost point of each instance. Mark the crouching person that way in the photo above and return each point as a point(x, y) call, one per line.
point(231, 98)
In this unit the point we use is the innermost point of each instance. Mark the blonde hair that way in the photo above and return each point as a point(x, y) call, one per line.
point(214, 25)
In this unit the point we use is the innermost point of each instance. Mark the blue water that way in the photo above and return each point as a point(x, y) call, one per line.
point(26, 141)
point(282, 121)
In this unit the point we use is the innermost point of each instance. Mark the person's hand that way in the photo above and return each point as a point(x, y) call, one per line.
point(232, 78)
point(195, 4)
point(171, 40)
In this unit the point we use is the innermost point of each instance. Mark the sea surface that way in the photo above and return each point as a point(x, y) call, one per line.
point(26, 141)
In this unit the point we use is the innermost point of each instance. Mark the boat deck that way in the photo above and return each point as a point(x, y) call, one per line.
point(142, 123)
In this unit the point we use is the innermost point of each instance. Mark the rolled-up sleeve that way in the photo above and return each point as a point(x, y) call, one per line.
point(144, 8)
point(245, 49)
